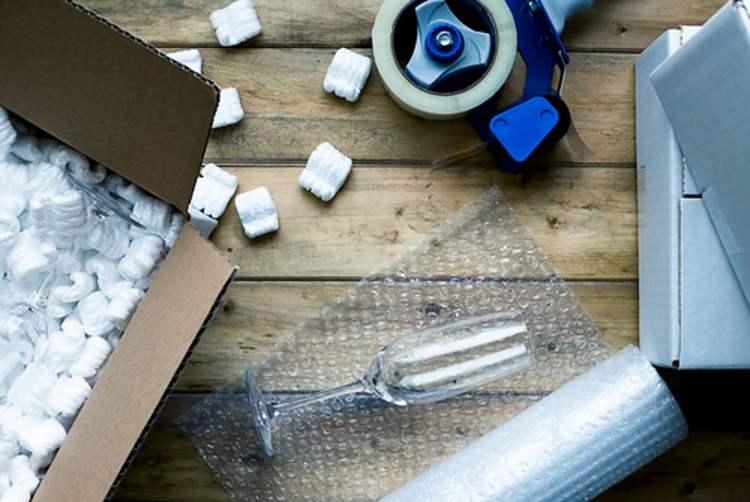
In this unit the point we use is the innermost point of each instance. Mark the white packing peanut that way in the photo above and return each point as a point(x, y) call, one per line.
point(122, 307)
point(26, 147)
point(178, 221)
point(83, 285)
point(62, 216)
point(65, 346)
point(95, 352)
point(10, 363)
point(205, 225)
point(326, 171)
point(347, 74)
point(229, 110)
point(235, 23)
point(21, 473)
point(31, 254)
point(152, 213)
point(109, 279)
point(257, 212)
point(9, 228)
point(30, 390)
point(44, 438)
point(68, 395)
point(109, 236)
point(190, 58)
point(91, 311)
point(213, 190)
point(65, 157)
point(13, 180)
point(48, 178)
point(142, 257)
point(7, 133)
point(57, 309)
point(4, 479)
point(16, 494)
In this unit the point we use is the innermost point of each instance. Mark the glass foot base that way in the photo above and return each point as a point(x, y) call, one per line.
point(261, 413)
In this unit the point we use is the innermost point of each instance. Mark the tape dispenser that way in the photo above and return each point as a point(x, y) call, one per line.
point(444, 59)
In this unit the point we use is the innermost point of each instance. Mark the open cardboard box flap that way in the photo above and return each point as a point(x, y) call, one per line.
point(129, 107)
point(131, 388)
point(106, 94)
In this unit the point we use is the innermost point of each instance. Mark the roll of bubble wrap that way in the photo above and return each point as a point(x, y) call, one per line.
point(582, 439)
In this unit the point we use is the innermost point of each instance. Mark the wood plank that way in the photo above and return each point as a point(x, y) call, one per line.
point(710, 465)
point(583, 218)
point(255, 315)
point(622, 25)
point(287, 112)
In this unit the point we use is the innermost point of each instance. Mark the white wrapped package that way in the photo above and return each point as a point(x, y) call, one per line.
point(190, 58)
point(326, 171)
point(213, 190)
point(229, 110)
point(205, 225)
point(582, 439)
point(257, 212)
point(235, 23)
point(347, 74)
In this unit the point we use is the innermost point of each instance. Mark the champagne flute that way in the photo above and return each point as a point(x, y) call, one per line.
point(420, 367)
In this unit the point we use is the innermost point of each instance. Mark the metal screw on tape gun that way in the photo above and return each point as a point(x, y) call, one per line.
point(443, 59)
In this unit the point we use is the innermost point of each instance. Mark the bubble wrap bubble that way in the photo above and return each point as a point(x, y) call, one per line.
point(584, 438)
point(481, 260)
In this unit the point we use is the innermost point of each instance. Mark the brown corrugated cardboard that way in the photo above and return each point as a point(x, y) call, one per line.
point(133, 381)
point(120, 101)
point(67, 71)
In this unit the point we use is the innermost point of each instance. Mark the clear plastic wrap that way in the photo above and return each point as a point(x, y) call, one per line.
point(481, 260)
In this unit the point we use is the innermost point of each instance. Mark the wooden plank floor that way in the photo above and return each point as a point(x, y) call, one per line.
point(582, 213)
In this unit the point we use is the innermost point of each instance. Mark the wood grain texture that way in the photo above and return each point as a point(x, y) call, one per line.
point(707, 466)
point(585, 219)
point(612, 25)
point(254, 315)
point(288, 114)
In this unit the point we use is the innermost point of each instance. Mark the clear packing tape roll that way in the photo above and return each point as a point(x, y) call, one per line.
point(584, 438)
point(481, 260)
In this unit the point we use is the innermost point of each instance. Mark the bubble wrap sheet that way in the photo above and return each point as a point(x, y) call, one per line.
point(481, 260)
point(573, 445)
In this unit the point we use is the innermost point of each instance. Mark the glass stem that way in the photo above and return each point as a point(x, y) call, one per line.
point(284, 406)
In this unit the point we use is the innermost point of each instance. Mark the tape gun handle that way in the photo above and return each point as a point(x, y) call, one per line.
point(560, 10)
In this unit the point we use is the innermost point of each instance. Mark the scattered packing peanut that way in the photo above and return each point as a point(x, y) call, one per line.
point(57, 309)
point(213, 190)
point(7, 133)
point(43, 439)
point(9, 228)
point(64, 348)
point(122, 307)
point(91, 311)
point(257, 212)
point(190, 58)
point(229, 110)
point(65, 157)
point(205, 225)
point(68, 396)
point(235, 23)
point(347, 74)
point(142, 257)
point(95, 352)
point(30, 390)
point(326, 171)
point(153, 214)
point(48, 178)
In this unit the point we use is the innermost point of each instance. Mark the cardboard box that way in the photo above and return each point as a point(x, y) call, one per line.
point(129, 107)
point(693, 311)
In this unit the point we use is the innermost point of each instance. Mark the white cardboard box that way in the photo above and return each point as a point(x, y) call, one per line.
point(693, 312)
